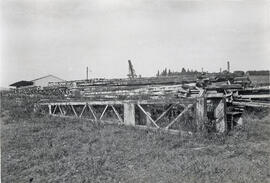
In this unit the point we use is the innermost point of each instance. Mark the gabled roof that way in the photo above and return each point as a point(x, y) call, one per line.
point(27, 83)
point(50, 75)
point(22, 83)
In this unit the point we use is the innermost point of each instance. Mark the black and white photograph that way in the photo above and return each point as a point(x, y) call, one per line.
point(135, 91)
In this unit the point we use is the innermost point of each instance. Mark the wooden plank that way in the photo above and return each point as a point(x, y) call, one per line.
point(172, 80)
point(254, 96)
point(224, 86)
point(214, 95)
point(114, 102)
point(251, 104)
point(170, 131)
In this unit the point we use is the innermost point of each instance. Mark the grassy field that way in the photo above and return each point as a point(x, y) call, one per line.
point(36, 148)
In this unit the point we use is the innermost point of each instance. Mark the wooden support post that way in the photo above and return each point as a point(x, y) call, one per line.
point(50, 109)
point(200, 113)
point(220, 115)
point(129, 114)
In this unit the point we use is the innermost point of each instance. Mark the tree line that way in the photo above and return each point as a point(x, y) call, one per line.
point(169, 72)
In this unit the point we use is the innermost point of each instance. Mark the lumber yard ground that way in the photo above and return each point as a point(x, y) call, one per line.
point(38, 148)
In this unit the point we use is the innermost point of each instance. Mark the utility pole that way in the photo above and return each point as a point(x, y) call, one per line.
point(228, 66)
point(86, 73)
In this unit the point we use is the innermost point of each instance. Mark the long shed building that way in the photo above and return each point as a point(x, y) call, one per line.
point(41, 82)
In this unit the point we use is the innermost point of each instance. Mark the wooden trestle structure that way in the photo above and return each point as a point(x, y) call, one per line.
point(150, 103)
point(168, 115)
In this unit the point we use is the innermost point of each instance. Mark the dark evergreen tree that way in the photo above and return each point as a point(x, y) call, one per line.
point(183, 70)
point(158, 73)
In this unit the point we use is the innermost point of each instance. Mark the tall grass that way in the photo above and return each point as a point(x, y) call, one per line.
point(49, 149)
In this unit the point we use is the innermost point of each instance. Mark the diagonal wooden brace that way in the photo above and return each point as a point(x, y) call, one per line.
point(181, 114)
point(92, 111)
point(103, 112)
point(117, 114)
point(74, 110)
point(82, 110)
point(163, 114)
point(59, 106)
point(147, 115)
point(54, 109)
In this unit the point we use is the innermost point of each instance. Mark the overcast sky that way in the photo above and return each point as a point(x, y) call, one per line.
point(62, 37)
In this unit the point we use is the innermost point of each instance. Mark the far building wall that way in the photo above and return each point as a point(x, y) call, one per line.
point(43, 82)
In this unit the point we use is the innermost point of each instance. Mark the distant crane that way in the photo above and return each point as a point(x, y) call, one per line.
point(131, 73)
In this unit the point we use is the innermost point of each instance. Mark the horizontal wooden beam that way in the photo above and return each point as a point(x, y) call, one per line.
point(252, 104)
point(120, 102)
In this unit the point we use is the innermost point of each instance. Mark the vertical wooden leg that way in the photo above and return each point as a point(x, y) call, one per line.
point(129, 114)
point(220, 115)
point(50, 109)
point(200, 113)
